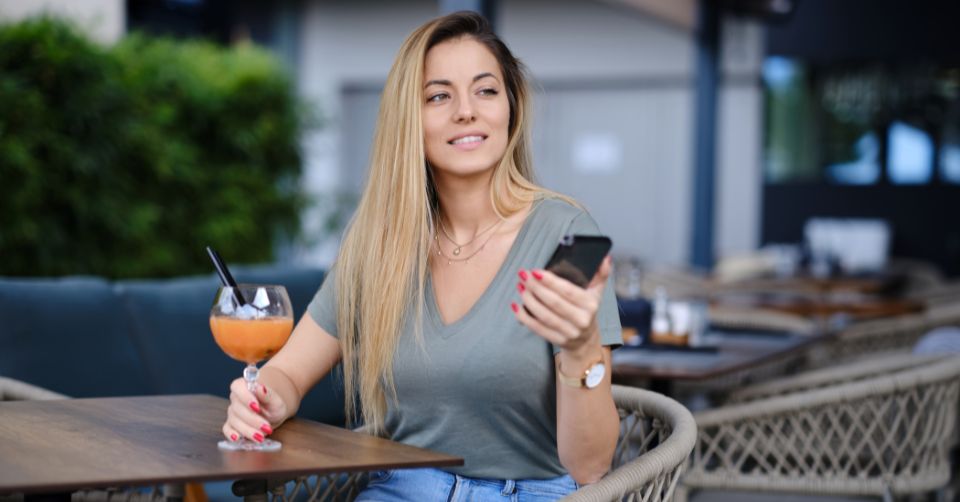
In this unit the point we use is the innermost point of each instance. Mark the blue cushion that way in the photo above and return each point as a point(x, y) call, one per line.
point(170, 321)
point(68, 335)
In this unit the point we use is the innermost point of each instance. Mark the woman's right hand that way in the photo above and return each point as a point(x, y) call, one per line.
point(253, 415)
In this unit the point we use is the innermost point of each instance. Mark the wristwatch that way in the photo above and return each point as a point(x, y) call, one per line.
point(590, 378)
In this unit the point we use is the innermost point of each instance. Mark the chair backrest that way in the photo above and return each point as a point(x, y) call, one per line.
point(656, 436)
point(866, 338)
point(883, 435)
point(875, 365)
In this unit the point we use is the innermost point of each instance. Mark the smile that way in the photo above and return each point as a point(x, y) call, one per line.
point(467, 140)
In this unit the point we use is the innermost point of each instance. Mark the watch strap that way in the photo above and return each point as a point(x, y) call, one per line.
point(579, 381)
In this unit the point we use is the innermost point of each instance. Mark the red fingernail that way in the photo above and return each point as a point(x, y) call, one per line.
point(521, 287)
point(514, 307)
point(522, 274)
point(254, 406)
point(258, 437)
point(266, 429)
point(537, 275)
point(233, 437)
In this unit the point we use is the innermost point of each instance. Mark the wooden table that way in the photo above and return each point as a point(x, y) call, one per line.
point(735, 351)
point(856, 306)
point(72, 444)
point(870, 284)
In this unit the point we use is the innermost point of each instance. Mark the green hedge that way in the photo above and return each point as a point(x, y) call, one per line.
point(127, 161)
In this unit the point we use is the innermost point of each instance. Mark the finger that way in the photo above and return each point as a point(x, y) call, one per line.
point(238, 389)
point(572, 318)
point(536, 326)
point(249, 424)
point(547, 317)
point(229, 432)
point(268, 400)
point(600, 278)
point(568, 290)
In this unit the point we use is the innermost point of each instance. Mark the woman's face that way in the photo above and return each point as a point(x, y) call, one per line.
point(466, 114)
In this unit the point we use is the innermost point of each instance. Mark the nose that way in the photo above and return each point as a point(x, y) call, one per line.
point(464, 113)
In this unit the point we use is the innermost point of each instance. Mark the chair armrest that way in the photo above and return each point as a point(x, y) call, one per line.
point(656, 436)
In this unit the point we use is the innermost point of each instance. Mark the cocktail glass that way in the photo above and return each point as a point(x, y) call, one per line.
point(251, 323)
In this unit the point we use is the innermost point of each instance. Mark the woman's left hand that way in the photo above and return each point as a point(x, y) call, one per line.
point(562, 312)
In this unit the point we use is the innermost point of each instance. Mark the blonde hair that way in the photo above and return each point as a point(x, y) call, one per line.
point(383, 260)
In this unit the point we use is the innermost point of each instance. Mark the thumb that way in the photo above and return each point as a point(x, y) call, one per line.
point(600, 278)
point(272, 405)
point(267, 398)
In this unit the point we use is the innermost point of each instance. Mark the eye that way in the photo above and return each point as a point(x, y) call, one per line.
point(488, 91)
point(438, 97)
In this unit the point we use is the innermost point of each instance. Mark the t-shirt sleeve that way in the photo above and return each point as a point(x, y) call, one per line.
point(323, 307)
point(608, 318)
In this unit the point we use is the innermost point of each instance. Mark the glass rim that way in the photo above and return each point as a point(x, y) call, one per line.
point(253, 285)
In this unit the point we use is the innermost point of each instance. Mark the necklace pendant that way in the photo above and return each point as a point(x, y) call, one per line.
point(456, 252)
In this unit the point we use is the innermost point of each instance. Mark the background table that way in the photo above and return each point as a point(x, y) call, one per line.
point(735, 351)
point(72, 444)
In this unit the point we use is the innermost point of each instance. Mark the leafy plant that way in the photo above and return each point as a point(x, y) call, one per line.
point(127, 161)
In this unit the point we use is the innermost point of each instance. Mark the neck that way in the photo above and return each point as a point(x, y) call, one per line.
point(465, 205)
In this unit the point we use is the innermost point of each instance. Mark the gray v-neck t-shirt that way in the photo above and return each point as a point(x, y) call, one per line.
point(483, 387)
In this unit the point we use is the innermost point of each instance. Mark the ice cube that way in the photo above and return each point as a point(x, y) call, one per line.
point(226, 304)
point(261, 300)
point(247, 312)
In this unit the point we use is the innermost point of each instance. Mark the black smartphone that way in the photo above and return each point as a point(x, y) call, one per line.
point(578, 257)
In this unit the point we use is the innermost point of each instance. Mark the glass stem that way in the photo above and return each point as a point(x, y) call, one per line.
point(250, 375)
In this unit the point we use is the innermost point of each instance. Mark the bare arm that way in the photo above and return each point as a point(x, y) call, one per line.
point(566, 315)
point(307, 357)
point(587, 421)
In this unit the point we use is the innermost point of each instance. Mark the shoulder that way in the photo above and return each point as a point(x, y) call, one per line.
point(564, 215)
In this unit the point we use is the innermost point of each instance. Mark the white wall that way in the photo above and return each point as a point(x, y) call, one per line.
point(739, 139)
point(605, 71)
point(103, 20)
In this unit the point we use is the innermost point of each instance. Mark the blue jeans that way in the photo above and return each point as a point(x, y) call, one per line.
point(428, 485)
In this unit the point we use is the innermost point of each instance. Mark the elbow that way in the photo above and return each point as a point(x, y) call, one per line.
point(585, 476)
point(586, 470)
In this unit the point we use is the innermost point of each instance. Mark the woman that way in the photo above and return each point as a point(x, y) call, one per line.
point(448, 332)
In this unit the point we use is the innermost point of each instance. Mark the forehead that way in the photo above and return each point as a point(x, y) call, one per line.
point(460, 58)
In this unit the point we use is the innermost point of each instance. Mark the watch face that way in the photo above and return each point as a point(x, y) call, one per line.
point(595, 375)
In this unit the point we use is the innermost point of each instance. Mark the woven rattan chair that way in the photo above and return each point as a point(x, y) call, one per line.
point(727, 317)
point(881, 428)
point(864, 339)
point(656, 437)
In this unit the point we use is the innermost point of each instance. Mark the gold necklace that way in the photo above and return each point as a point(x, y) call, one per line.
point(451, 261)
point(456, 251)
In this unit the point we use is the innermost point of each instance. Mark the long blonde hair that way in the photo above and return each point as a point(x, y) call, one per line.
point(383, 260)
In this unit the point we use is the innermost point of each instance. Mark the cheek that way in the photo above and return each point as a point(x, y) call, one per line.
point(432, 135)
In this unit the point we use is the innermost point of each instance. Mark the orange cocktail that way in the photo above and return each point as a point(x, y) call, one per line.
point(250, 340)
point(250, 323)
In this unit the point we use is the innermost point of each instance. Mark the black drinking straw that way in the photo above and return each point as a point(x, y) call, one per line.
point(225, 278)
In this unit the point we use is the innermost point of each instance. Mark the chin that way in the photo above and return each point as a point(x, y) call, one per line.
point(466, 169)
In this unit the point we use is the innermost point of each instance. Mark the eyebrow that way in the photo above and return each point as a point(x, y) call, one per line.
point(447, 82)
